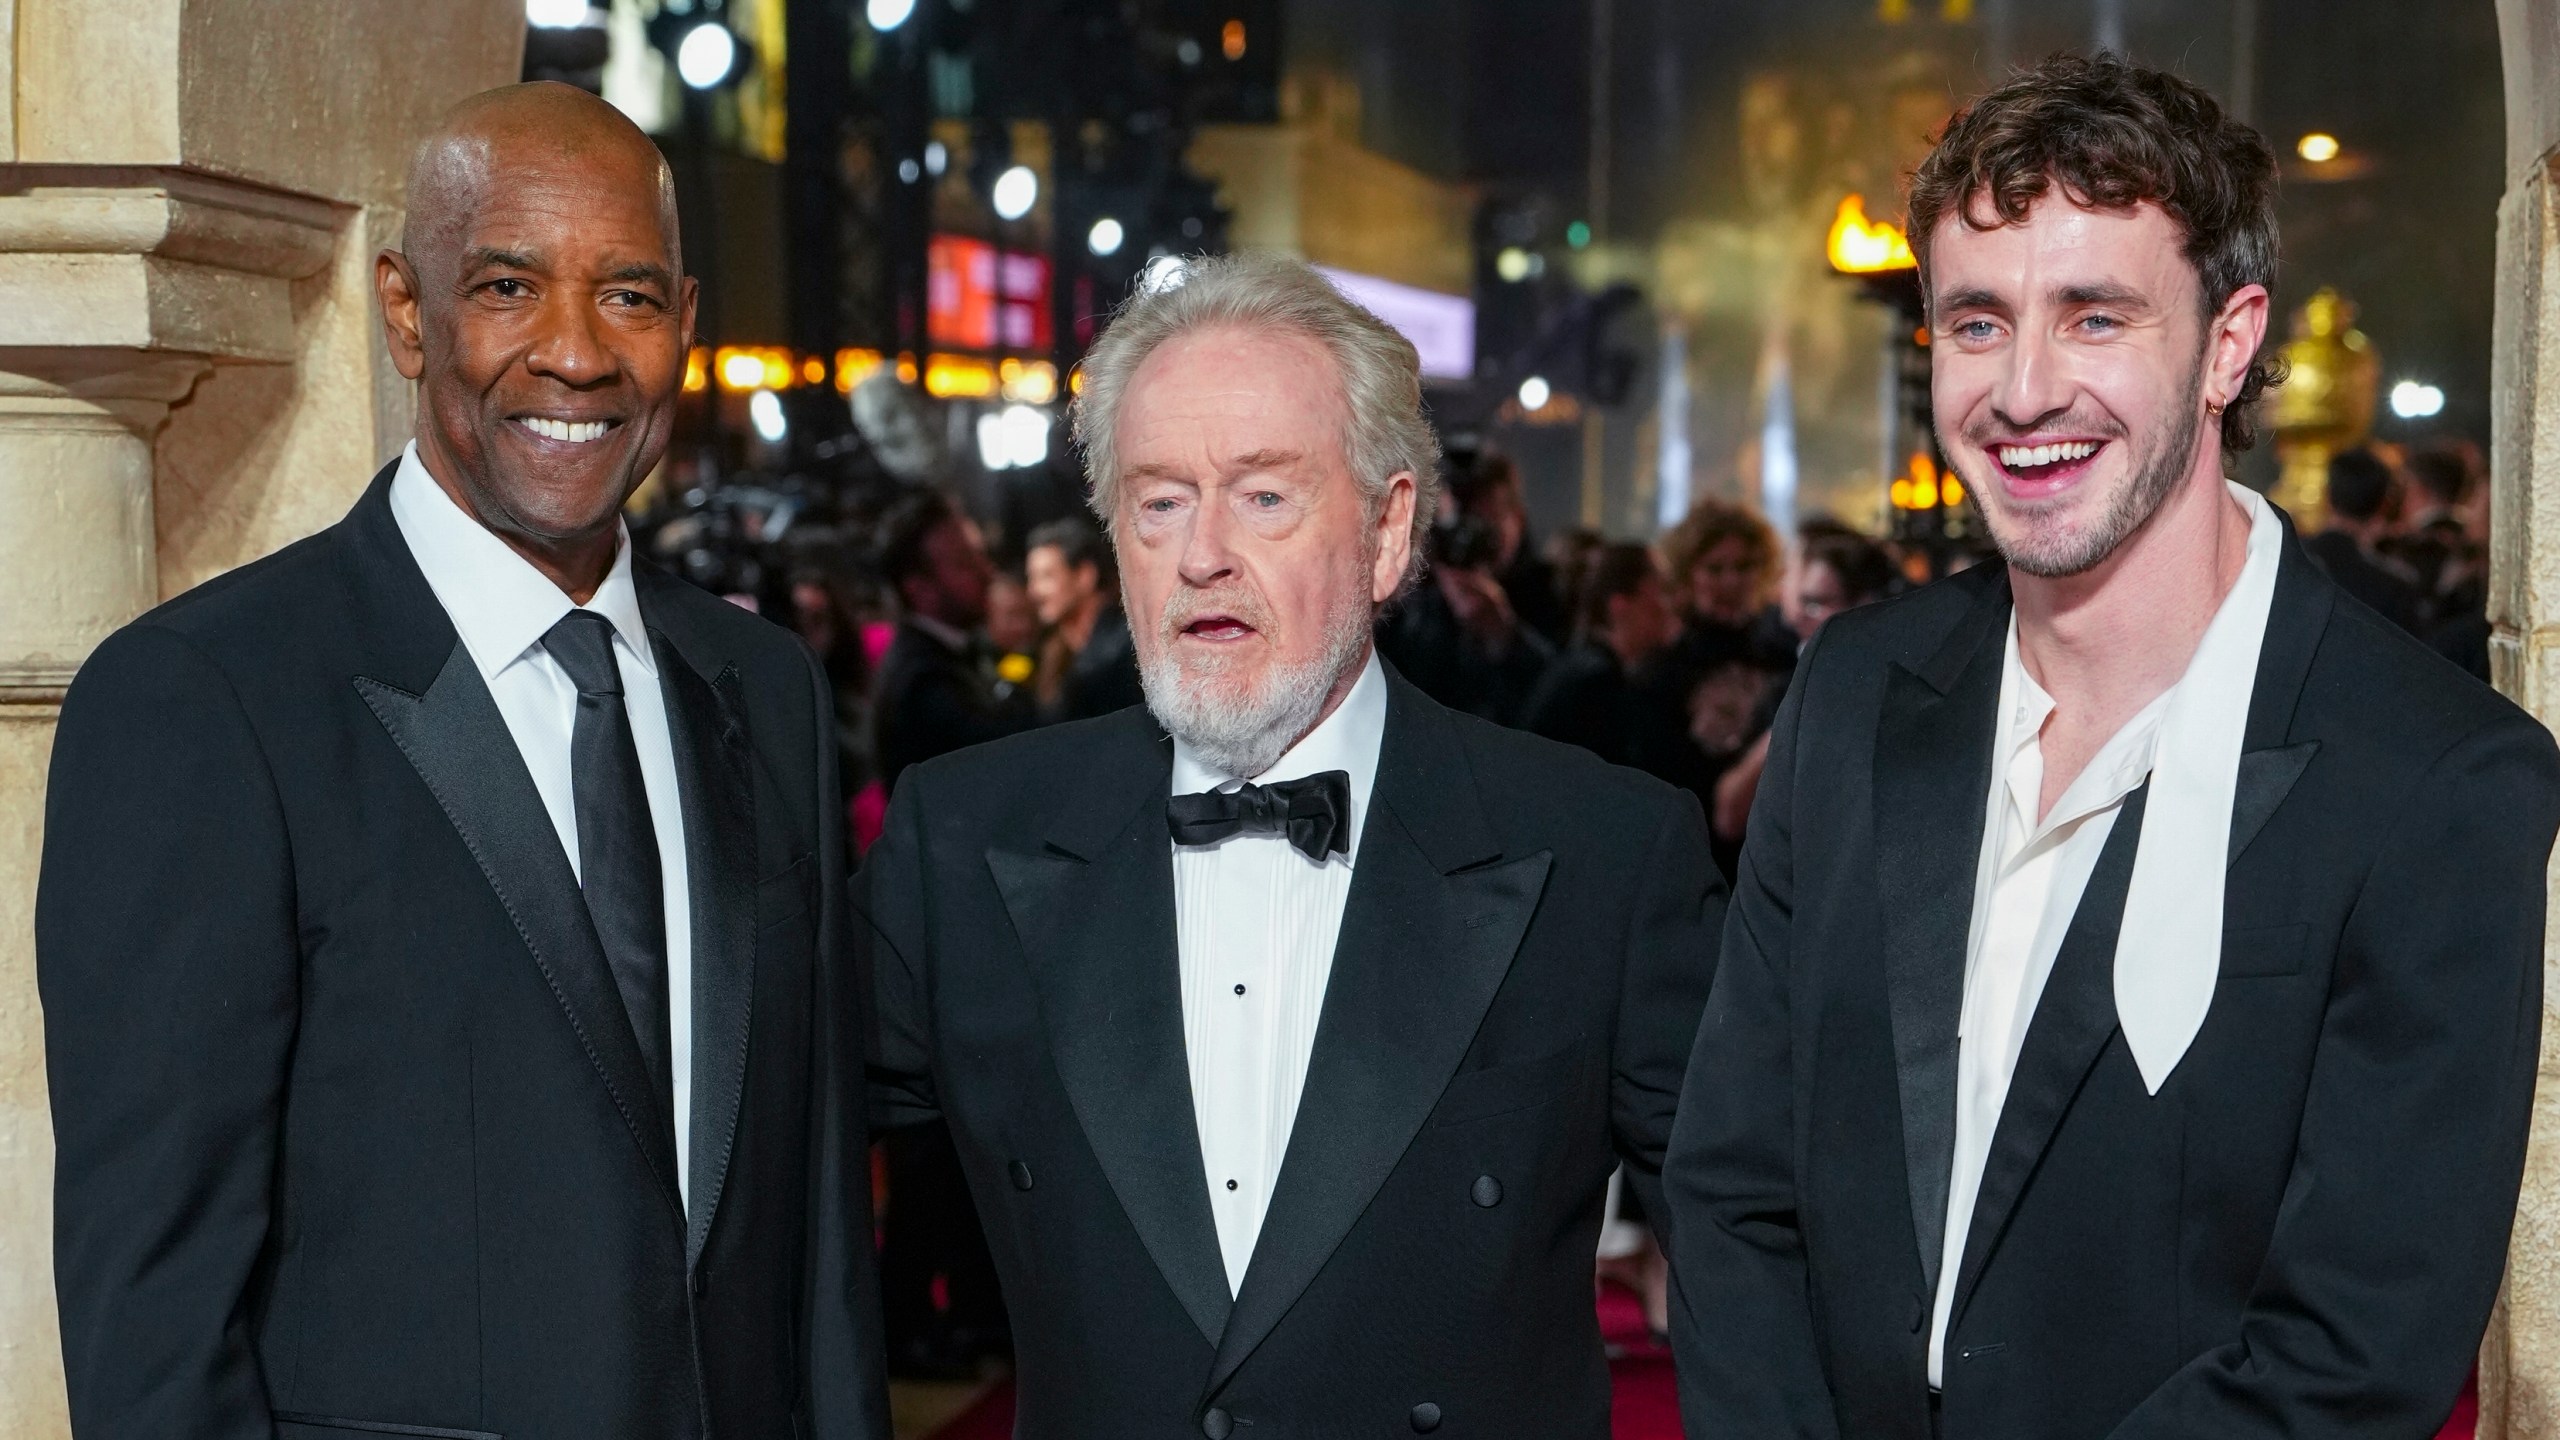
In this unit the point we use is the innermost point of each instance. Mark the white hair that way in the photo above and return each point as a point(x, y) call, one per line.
point(1263, 291)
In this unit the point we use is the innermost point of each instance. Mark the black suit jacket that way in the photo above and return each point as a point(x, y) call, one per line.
point(934, 699)
point(1528, 939)
point(353, 1133)
point(2300, 1235)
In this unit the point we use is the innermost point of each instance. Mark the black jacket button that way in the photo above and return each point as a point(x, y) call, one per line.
point(1487, 1192)
point(1217, 1424)
point(1021, 1174)
point(1426, 1418)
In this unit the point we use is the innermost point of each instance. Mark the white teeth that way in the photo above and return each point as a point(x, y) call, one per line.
point(576, 432)
point(2027, 457)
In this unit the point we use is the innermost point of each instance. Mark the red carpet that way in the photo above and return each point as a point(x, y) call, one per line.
point(1647, 1403)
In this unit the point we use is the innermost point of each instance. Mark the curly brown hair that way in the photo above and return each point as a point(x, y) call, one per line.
point(1711, 522)
point(2113, 135)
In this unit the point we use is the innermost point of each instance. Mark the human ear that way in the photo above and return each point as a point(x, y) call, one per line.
point(395, 284)
point(1395, 539)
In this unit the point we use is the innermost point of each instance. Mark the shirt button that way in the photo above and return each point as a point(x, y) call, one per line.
point(1239, 989)
point(1231, 1184)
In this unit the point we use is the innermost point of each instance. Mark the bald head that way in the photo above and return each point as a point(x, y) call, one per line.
point(494, 139)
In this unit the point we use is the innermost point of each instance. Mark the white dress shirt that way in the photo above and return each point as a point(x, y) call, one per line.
point(2030, 875)
point(1256, 922)
point(502, 607)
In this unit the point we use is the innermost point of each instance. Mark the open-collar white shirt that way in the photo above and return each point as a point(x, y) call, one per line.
point(2031, 872)
point(502, 607)
point(1256, 922)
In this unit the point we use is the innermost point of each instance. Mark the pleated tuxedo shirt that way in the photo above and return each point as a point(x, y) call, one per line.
point(1255, 922)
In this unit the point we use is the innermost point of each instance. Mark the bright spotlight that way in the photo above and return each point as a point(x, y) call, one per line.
point(1013, 438)
point(2411, 400)
point(2317, 147)
point(706, 55)
point(1105, 236)
point(1512, 264)
point(887, 15)
point(1015, 190)
point(1026, 436)
point(937, 157)
point(1535, 392)
point(1162, 273)
point(555, 14)
point(764, 411)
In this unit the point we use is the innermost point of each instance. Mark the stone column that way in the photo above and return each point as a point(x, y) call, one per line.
point(191, 194)
point(2520, 1363)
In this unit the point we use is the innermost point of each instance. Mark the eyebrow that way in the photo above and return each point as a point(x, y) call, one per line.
point(1968, 300)
point(643, 271)
point(1263, 460)
point(482, 257)
point(2123, 297)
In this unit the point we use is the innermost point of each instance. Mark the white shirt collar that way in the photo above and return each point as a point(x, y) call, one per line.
point(2117, 770)
point(2169, 947)
point(499, 604)
point(1346, 740)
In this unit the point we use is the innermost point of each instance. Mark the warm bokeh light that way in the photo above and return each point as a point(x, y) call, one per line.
point(1231, 40)
point(855, 366)
point(1860, 246)
point(950, 377)
point(755, 367)
point(697, 370)
point(2318, 147)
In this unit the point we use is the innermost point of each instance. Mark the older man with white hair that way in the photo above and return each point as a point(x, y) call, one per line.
point(1291, 1025)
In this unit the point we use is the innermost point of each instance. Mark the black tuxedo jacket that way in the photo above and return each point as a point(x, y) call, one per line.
point(354, 1137)
point(2300, 1235)
point(1528, 940)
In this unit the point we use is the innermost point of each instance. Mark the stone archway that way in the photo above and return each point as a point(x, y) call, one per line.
point(2520, 1364)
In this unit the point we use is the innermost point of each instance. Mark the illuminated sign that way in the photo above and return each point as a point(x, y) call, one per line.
point(1441, 327)
point(974, 303)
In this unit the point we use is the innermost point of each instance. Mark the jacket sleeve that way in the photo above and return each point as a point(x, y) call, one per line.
point(1671, 960)
point(168, 962)
point(889, 943)
point(848, 1396)
point(1741, 1312)
point(2392, 1234)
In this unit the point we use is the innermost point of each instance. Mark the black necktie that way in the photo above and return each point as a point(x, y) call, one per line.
point(617, 841)
point(1313, 812)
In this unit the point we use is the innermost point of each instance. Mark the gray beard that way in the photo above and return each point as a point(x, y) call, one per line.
point(1246, 734)
point(2156, 476)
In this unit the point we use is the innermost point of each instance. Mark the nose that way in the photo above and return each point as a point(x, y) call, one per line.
point(571, 347)
point(2031, 385)
point(1208, 546)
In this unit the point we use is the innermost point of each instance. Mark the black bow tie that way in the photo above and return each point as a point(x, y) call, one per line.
point(1314, 813)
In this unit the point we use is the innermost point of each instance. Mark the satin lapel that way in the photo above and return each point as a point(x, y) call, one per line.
point(1095, 918)
point(2073, 1019)
point(1424, 946)
point(2296, 619)
point(1932, 779)
point(706, 724)
point(460, 745)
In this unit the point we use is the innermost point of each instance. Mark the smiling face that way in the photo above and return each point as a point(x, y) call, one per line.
point(542, 311)
point(2074, 367)
point(1250, 560)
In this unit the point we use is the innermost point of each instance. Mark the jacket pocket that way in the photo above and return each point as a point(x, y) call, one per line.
point(783, 895)
point(292, 1424)
point(1507, 1089)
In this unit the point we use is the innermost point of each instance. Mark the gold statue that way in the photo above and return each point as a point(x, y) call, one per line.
point(2325, 404)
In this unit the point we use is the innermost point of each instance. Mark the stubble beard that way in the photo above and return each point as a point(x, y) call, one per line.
point(2053, 551)
point(1235, 721)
